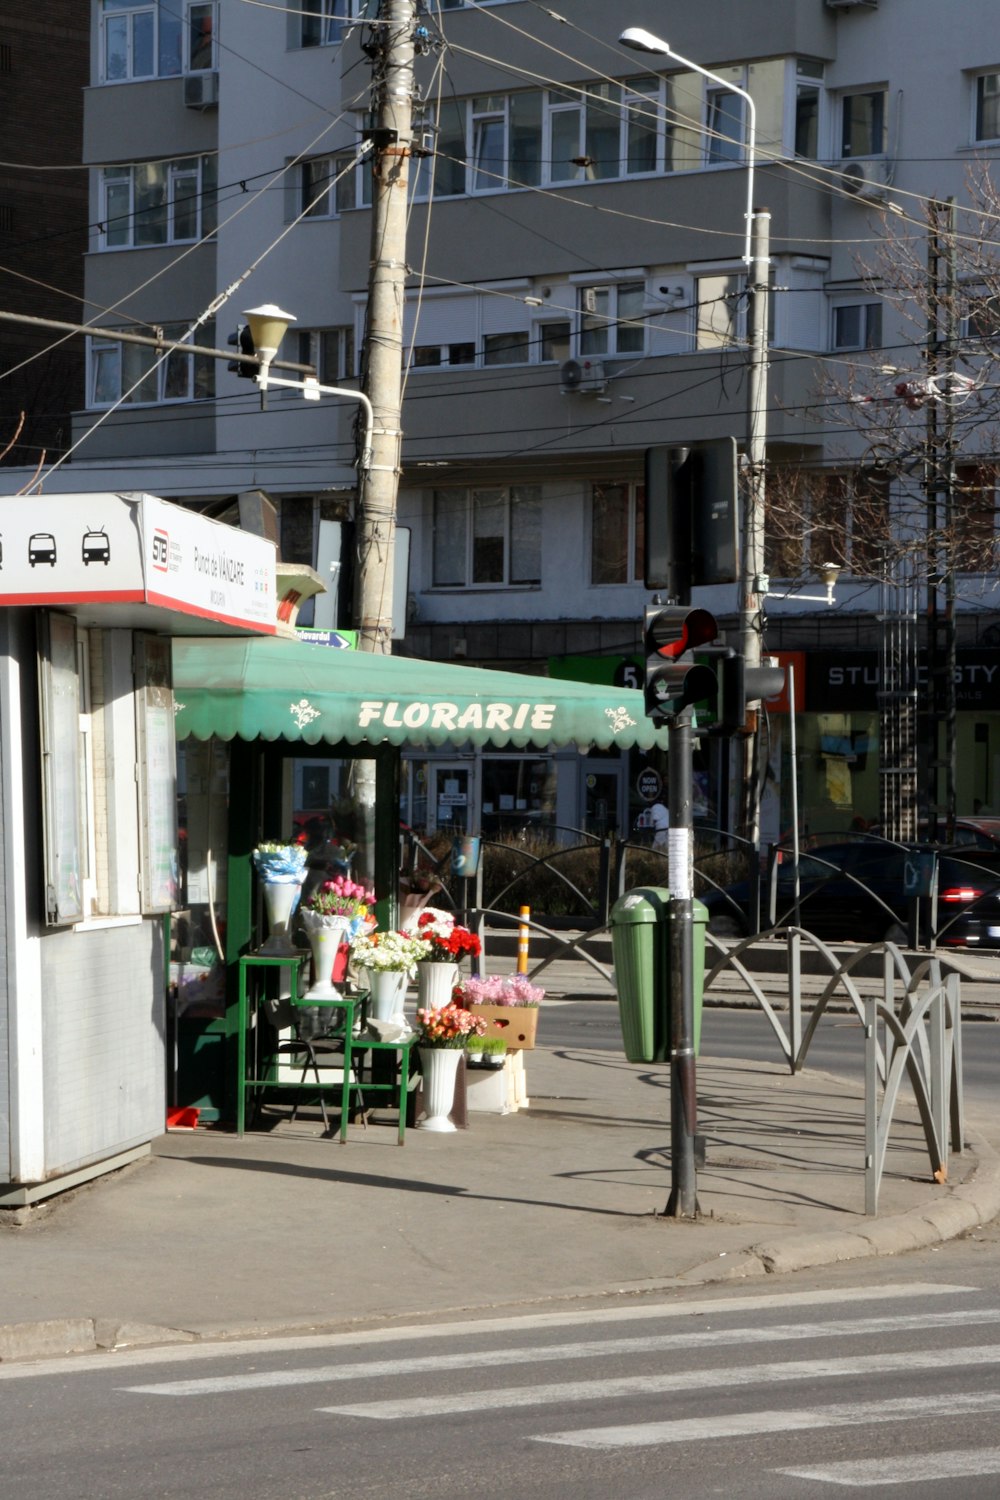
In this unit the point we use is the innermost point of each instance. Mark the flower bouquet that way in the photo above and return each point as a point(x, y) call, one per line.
point(449, 1026)
point(446, 944)
point(441, 1039)
point(282, 869)
point(335, 913)
point(388, 959)
point(495, 998)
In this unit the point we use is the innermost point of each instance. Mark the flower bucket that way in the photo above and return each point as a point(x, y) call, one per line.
point(387, 989)
point(517, 1024)
point(281, 897)
point(435, 982)
point(325, 940)
point(439, 1066)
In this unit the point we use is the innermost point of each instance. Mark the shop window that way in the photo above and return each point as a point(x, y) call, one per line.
point(617, 533)
point(518, 793)
point(487, 537)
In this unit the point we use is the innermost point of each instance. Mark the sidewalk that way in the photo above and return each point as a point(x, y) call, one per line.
point(214, 1236)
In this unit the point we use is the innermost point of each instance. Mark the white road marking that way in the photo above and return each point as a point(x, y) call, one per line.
point(669, 1384)
point(751, 1424)
point(644, 1311)
point(491, 1357)
point(958, 1463)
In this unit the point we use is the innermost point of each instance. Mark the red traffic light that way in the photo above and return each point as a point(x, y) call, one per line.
point(673, 629)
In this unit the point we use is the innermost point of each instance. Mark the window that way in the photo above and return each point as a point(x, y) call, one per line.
point(723, 126)
point(863, 124)
point(617, 533)
point(720, 310)
point(487, 536)
point(138, 376)
point(974, 512)
point(808, 94)
point(331, 185)
point(857, 325)
point(202, 38)
point(505, 348)
point(988, 107)
point(553, 341)
point(324, 22)
point(612, 319)
point(982, 318)
point(141, 39)
point(158, 203)
point(427, 356)
point(331, 353)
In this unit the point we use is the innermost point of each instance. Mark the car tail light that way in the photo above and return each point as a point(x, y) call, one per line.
point(959, 893)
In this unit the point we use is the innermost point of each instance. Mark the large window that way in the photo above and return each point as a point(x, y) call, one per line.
point(322, 23)
point(137, 376)
point(987, 125)
point(158, 202)
point(617, 533)
point(863, 124)
point(857, 325)
point(329, 185)
point(487, 536)
point(330, 351)
point(141, 39)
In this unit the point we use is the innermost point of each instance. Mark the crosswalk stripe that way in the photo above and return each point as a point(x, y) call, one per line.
point(915, 1468)
point(811, 1419)
point(491, 1358)
point(689, 1380)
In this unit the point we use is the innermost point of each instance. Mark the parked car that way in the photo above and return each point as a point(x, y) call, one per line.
point(861, 891)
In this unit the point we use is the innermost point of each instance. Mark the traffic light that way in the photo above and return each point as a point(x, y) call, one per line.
point(691, 517)
point(742, 685)
point(243, 339)
point(670, 634)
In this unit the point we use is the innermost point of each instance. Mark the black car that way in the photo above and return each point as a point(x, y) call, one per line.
point(862, 891)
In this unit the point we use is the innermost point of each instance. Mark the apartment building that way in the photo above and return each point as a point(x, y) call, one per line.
point(577, 294)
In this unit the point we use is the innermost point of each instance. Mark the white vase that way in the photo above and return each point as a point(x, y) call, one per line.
point(281, 897)
point(324, 940)
point(435, 982)
point(387, 989)
point(439, 1066)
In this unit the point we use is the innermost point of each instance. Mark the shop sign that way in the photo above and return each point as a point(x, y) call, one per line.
point(840, 681)
point(649, 784)
point(99, 550)
point(416, 714)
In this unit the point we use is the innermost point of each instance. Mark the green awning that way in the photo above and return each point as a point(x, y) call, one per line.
point(273, 689)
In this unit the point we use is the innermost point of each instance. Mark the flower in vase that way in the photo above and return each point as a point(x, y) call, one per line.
point(447, 942)
point(387, 952)
point(338, 900)
point(450, 1026)
point(280, 863)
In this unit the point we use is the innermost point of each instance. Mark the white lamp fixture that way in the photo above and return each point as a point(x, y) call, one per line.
point(268, 326)
point(640, 40)
point(828, 572)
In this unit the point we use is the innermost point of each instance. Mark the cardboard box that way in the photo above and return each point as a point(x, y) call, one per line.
point(517, 1024)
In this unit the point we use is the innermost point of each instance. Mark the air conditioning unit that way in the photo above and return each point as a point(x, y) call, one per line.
point(867, 180)
point(580, 376)
point(201, 90)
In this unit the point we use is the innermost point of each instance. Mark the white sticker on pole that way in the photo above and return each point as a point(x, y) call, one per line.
point(679, 863)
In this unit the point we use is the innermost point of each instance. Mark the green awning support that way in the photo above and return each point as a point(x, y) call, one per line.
point(272, 689)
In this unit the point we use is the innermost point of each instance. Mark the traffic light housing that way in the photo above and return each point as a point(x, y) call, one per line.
point(742, 685)
point(673, 680)
point(691, 517)
point(243, 339)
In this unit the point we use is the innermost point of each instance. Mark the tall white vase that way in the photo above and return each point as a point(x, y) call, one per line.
point(280, 900)
point(435, 982)
point(439, 1066)
point(324, 941)
point(387, 989)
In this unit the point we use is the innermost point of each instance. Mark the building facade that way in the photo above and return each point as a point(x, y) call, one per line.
point(577, 294)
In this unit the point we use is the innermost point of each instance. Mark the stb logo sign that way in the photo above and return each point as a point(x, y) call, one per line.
point(161, 547)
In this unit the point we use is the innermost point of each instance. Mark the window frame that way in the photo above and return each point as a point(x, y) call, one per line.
point(111, 12)
point(329, 18)
point(876, 150)
point(979, 138)
point(112, 179)
point(611, 323)
point(869, 325)
point(448, 505)
point(106, 355)
point(189, 66)
point(633, 532)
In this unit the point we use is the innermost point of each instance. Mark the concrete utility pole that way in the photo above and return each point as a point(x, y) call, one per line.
point(753, 513)
point(382, 373)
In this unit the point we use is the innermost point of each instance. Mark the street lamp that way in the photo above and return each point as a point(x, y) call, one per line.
point(268, 326)
point(828, 572)
point(644, 41)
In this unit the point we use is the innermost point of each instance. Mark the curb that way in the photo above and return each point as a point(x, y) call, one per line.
point(969, 1205)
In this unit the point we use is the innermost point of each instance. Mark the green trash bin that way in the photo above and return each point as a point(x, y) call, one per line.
point(639, 947)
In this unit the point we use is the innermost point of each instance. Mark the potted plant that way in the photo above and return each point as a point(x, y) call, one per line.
point(473, 1048)
point(447, 944)
point(494, 1051)
point(336, 911)
point(389, 959)
point(282, 869)
point(509, 1004)
point(441, 1039)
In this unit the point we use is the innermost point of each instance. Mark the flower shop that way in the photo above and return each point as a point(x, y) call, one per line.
point(289, 757)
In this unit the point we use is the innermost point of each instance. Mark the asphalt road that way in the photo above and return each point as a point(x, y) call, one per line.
point(884, 1376)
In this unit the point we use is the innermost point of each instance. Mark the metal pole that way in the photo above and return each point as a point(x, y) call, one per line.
point(382, 376)
point(683, 1200)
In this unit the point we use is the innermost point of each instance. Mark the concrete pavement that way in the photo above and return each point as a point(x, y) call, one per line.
point(213, 1236)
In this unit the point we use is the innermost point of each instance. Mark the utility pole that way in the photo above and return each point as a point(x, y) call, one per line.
point(391, 50)
point(751, 587)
